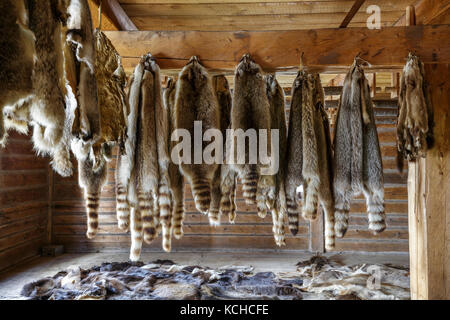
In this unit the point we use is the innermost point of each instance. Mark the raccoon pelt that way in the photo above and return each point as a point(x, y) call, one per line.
point(357, 157)
point(80, 33)
point(17, 47)
point(51, 102)
point(195, 100)
point(92, 181)
point(224, 182)
point(176, 180)
point(225, 185)
point(111, 81)
point(251, 110)
point(275, 94)
point(414, 123)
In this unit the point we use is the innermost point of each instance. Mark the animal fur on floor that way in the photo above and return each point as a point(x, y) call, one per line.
point(17, 47)
point(251, 110)
point(275, 94)
point(357, 156)
point(195, 100)
point(142, 179)
point(309, 158)
point(318, 278)
point(415, 120)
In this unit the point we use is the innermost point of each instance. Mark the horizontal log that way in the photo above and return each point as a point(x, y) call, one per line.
point(20, 253)
point(278, 50)
point(371, 246)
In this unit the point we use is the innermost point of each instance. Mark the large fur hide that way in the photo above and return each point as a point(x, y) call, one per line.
point(176, 181)
point(318, 278)
point(111, 81)
point(251, 110)
point(357, 156)
point(415, 120)
point(275, 94)
point(17, 46)
point(196, 101)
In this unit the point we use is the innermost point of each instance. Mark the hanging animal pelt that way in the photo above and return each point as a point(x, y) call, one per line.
point(176, 181)
point(275, 94)
point(357, 156)
point(224, 182)
point(111, 81)
point(17, 47)
point(80, 32)
point(196, 101)
point(92, 181)
point(228, 177)
point(251, 110)
point(414, 124)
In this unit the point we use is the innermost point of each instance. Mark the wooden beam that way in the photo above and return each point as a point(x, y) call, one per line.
point(429, 12)
point(355, 8)
point(115, 12)
point(281, 50)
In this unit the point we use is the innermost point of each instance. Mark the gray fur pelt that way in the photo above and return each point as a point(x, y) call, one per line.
point(176, 180)
point(17, 46)
point(357, 156)
point(196, 101)
point(415, 120)
point(275, 94)
point(251, 110)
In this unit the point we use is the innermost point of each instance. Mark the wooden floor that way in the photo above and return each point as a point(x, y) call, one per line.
point(12, 282)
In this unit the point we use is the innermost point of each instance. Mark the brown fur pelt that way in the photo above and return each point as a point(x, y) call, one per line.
point(225, 185)
point(176, 180)
point(17, 46)
point(251, 110)
point(275, 94)
point(92, 181)
point(111, 81)
point(80, 32)
point(357, 156)
point(414, 124)
point(196, 101)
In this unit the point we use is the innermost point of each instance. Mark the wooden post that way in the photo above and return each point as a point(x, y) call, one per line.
point(428, 200)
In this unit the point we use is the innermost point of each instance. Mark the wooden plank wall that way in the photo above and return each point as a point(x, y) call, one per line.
point(249, 231)
point(23, 202)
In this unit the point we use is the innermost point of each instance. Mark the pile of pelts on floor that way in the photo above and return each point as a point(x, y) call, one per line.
point(65, 80)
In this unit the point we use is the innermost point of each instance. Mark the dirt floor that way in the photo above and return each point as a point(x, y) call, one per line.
point(11, 282)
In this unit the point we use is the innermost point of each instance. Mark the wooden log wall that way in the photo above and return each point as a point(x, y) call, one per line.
point(24, 202)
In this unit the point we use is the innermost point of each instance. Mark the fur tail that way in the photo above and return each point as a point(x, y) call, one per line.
point(122, 208)
point(341, 222)
point(377, 216)
point(61, 162)
point(292, 211)
point(201, 189)
point(178, 217)
point(249, 187)
point(214, 209)
point(232, 214)
point(165, 209)
point(309, 210)
point(136, 235)
point(330, 238)
point(92, 204)
point(146, 209)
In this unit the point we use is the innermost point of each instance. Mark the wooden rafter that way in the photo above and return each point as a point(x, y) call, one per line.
point(428, 12)
point(115, 12)
point(355, 8)
point(281, 50)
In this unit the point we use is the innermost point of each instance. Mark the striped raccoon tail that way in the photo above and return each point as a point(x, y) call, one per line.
point(136, 235)
point(292, 211)
point(265, 195)
point(214, 209)
point(309, 210)
point(122, 208)
point(146, 208)
point(92, 204)
point(165, 209)
point(377, 216)
point(330, 238)
point(178, 217)
point(250, 186)
point(201, 189)
point(232, 215)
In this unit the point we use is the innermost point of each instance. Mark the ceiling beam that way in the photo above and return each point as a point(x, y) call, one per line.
point(275, 50)
point(115, 12)
point(428, 12)
point(355, 8)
